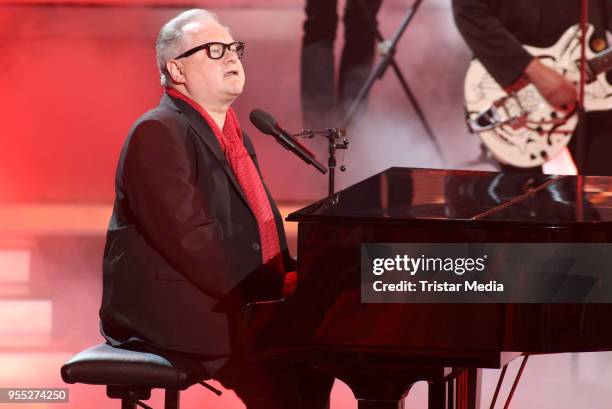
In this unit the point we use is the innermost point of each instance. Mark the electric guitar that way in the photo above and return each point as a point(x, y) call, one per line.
point(517, 124)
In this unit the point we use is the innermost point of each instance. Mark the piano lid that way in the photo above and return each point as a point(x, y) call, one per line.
point(405, 194)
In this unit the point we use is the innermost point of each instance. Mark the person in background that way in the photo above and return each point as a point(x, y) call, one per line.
point(322, 105)
point(495, 31)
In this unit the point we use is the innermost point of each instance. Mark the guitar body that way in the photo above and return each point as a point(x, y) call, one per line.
point(519, 127)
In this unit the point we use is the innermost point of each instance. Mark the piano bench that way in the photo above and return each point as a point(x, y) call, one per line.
point(129, 375)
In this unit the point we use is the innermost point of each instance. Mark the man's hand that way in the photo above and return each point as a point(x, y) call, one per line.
point(559, 92)
point(289, 284)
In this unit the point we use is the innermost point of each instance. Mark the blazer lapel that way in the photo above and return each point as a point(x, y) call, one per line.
point(207, 136)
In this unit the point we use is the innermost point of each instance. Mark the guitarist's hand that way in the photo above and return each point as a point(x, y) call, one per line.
point(558, 91)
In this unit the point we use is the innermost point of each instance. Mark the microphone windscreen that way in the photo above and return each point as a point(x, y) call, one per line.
point(263, 121)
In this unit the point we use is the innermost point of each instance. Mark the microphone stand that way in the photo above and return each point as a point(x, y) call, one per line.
point(580, 145)
point(581, 135)
point(332, 135)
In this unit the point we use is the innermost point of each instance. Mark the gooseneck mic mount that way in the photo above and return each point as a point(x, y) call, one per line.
point(333, 135)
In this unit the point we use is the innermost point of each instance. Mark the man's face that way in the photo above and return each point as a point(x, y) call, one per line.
point(208, 80)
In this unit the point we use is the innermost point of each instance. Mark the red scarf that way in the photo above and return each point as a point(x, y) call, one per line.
point(248, 178)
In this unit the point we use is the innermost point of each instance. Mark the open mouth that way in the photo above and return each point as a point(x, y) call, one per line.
point(231, 73)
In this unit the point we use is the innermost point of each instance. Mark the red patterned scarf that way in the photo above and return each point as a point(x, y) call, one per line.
point(248, 178)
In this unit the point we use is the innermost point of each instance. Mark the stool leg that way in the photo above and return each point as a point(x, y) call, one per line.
point(128, 403)
point(172, 399)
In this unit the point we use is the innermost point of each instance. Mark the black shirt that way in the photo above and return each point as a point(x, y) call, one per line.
point(496, 29)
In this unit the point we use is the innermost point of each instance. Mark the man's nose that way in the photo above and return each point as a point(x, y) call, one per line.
point(230, 56)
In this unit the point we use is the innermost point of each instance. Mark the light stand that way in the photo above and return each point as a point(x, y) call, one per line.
point(387, 50)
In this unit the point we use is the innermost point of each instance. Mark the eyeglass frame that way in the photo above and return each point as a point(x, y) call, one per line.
point(206, 46)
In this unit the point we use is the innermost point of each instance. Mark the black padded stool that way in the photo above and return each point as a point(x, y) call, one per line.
point(130, 375)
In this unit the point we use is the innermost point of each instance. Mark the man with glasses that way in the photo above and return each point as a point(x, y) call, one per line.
point(195, 235)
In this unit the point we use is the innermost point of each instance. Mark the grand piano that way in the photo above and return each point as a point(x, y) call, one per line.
point(381, 350)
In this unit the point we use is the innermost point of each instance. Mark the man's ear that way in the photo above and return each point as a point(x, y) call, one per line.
point(175, 68)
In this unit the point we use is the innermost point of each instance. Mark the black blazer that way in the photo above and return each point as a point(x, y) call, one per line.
point(182, 251)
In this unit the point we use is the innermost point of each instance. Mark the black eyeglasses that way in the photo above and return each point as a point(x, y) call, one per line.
point(216, 50)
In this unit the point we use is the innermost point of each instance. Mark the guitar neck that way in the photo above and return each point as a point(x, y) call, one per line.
point(602, 62)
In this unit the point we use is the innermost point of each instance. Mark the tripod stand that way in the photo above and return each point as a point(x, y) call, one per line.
point(387, 49)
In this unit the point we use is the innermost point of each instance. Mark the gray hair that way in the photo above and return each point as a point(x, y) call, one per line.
point(170, 36)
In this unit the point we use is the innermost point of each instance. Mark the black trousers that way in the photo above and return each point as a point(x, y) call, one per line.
point(276, 386)
point(322, 104)
point(598, 144)
point(260, 385)
point(597, 147)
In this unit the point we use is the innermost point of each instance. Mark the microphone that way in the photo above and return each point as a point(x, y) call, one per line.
point(268, 125)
